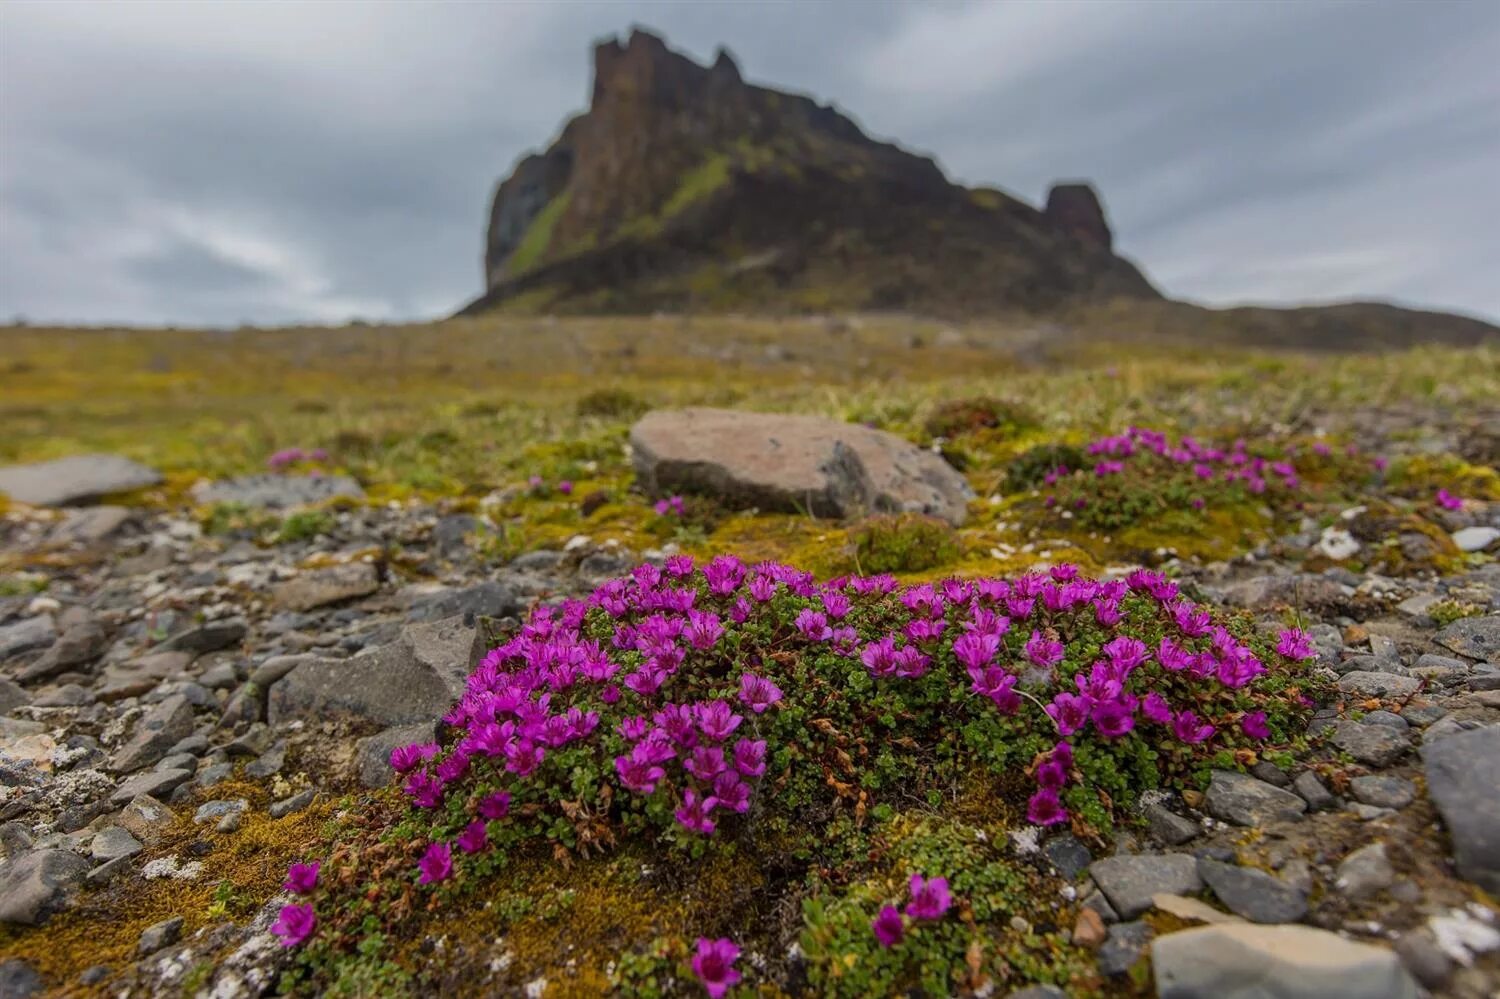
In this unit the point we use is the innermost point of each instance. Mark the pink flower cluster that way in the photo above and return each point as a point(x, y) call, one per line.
point(292, 455)
point(663, 652)
point(930, 900)
point(672, 506)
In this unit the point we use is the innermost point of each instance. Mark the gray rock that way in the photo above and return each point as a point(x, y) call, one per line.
point(211, 636)
point(276, 667)
point(81, 642)
point(107, 872)
point(156, 732)
point(162, 934)
point(1245, 801)
point(1123, 947)
point(89, 525)
point(487, 599)
point(332, 585)
point(1366, 684)
point(19, 980)
point(75, 479)
point(1068, 855)
point(1038, 992)
point(27, 635)
point(35, 886)
point(1439, 669)
point(154, 783)
point(372, 755)
point(213, 811)
point(1463, 780)
point(1365, 873)
point(1475, 539)
point(1472, 637)
point(268, 763)
point(278, 492)
point(1130, 881)
point(415, 679)
point(1424, 958)
point(1287, 589)
point(214, 774)
point(1417, 606)
point(1383, 791)
point(288, 806)
point(12, 696)
point(137, 676)
point(1387, 718)
point(792, 464)
point(1372, 745)
point(114, 841)
point(1169, 828)
point(1248, 961)
point(1253, 894)
point(145, 818)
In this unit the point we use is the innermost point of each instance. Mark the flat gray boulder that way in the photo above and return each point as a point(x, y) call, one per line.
point(414, 679)
point(330, 585)
point(1473, 637)
point(1248, 961)
point(1463, 779)
point(793, 464)
point(34, 886)
point(74, 480)
point(278, 492)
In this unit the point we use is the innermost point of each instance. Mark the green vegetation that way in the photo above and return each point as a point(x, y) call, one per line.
point(697, 184)
point(904, 543)
point(538, 236)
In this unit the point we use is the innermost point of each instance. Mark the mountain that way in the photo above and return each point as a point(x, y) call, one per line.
point(684, 188)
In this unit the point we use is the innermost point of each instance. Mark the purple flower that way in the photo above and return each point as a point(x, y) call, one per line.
point(1294, 644)
point(762, 588)
point(637, 771)
point(717, 720)
point(705, 762)
point(733, 793)
point(757, 693)
point(565, 487)
point(436, 864)
point(1254, 725)
point(1125, 653)
point(694, 813)
point(294, 924)
point(929, 898)
point(474, 838)
point(426, 791)
point(750, 757)
point(1156, 709)
point(976, 651)
point(301, 878)
point(1044, 808)
point(1070, 711)
point(703, 629)
point(714, 965)
point(889, 927)
point(1113, 719)
point(1042, 651)
point(1188, 728)
point(405, 758)
point(495, 806)
point(814, 625)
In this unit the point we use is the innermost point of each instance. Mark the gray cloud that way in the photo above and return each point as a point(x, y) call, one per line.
point(215, 163)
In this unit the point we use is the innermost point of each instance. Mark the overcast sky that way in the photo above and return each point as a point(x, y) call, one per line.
point(219, 162)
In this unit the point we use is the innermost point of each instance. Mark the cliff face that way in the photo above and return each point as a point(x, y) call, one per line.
point(682, 186)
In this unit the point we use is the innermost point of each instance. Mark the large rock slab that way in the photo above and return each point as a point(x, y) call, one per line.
point(27, 635)
point(793, 464)
point(1473, 637)
point(1246, 961)
point(1286, 590)
point(1129, 881)
point(75, 479)
point(1463, 779)
point(414, 679)
point(1246, 801)
point(157, 731)
point(278, 492)
point(321, 587)
point(35, 886)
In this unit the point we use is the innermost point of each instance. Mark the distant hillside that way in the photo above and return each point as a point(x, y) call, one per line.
point(683, 188)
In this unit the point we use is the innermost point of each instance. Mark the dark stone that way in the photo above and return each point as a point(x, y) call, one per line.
point(19, 980)
point(1372, 745)
point(1253, 894)
point(1123, 948)
point(1130, 881)
point(1068, 855)
point(162, 934)
point(1463, 779)
point(210, 636)
point(1169, 828)
point(1313, 791)
point(1245, 801)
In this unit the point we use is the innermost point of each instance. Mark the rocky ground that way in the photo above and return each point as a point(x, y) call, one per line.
point(179, 709)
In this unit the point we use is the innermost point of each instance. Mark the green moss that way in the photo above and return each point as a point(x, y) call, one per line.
point(906, 542)
point(697, 184)
point(538, 236)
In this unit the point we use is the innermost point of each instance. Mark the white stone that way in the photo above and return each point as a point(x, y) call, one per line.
point(1475, 539)
point(1462, 936)
point(1338, 544)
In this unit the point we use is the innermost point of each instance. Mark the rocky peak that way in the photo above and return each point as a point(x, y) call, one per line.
point(1074, 206)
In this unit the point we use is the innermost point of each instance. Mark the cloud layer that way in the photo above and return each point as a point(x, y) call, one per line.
point(230, 162)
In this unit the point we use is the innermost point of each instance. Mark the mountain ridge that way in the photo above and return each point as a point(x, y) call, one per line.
point(683, 188)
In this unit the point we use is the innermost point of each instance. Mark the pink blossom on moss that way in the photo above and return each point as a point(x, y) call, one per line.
point(436, 864)
point(301, 878)
point(888, 926)
point(714, 965)
point(929, 898)
point(294, 924)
